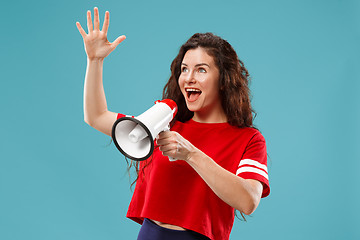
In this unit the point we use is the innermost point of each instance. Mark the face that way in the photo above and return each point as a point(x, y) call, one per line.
point(199, 83)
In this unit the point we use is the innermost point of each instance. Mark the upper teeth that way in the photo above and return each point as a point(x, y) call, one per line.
point(192, 90)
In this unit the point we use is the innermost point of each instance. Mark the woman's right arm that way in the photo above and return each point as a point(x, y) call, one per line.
point(96, 113)
point(97, 47)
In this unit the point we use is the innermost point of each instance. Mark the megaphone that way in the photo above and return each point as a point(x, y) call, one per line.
point(134, 136)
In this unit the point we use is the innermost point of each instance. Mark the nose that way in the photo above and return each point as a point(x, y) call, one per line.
point(190, 78)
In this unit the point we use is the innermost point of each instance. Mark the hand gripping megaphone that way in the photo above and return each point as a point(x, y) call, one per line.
point(134, 136)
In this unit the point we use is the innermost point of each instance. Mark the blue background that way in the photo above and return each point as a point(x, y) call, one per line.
point(60, 179)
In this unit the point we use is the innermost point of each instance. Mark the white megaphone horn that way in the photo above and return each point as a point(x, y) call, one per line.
point(134, 136)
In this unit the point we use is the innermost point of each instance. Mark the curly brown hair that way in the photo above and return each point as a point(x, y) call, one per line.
point(233, 83)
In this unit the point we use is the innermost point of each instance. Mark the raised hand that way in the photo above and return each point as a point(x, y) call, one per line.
point(96, 43)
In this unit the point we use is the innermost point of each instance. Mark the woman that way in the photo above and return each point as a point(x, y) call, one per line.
point(221, 157)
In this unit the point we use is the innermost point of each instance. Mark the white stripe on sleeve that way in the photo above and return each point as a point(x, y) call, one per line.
point(253, 167)
point(252, 170)
point(253, 163)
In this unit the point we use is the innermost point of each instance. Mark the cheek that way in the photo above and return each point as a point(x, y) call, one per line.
point(211, 86)
point(212, 90)
point(181, 82)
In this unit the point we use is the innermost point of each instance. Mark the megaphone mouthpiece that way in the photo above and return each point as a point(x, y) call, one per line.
point(137, 134)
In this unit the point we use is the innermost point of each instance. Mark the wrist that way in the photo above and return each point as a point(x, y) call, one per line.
point(95, 60)
point(193, 156)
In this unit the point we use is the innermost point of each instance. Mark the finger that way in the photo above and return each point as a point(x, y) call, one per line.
point(170, 152)
point(96, 19)
point(163, 138)
point(165, 145)
point(81, 30)
point(106, 22)
point(170, 148)
point(89, 22)
point(166, 134)
point(165, 141)
point(118, 41)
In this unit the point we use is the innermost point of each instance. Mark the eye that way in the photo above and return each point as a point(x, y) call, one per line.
point(202, 70)
point(184, 69)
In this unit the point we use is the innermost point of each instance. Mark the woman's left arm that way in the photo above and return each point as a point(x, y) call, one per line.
point(241, 194)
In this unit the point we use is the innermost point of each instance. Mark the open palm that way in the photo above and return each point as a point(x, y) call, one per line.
point(96, 43)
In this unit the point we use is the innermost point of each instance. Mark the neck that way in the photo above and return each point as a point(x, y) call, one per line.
point(210, 117)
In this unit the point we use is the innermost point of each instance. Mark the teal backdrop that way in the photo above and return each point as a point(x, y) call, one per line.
point(61, 179)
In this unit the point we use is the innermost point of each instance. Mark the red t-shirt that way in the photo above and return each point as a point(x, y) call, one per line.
point(173, 193)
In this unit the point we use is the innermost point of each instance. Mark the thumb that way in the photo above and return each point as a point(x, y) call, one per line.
point(118, 41)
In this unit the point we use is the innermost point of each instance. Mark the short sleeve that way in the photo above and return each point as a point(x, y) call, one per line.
point(253, 164)
point(120, 115)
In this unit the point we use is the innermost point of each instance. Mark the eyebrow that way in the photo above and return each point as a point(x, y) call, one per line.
point(197, 65)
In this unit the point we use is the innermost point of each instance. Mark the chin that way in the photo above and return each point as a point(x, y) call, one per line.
point(192, 107)
point(197, 110)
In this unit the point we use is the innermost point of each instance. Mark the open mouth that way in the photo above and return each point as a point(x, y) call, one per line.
point(192, 94)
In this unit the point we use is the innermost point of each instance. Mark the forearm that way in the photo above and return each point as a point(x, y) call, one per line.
point(239, 193)
point(94, 95)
